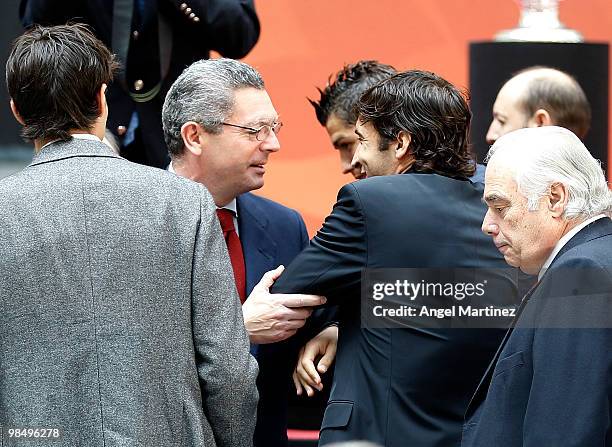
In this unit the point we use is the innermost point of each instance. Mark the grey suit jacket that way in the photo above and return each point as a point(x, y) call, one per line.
point(119, 319)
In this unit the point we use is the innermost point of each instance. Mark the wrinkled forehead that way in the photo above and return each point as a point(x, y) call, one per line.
point(500, 178)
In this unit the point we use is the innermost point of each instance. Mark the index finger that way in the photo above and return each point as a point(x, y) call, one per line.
point(309, 368)
point(299, 300)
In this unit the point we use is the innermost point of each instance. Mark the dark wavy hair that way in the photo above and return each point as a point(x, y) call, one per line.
point(53, 75)
point(343, 90)
point(435, 114)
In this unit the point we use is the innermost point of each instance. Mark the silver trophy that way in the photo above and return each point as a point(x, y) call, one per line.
point(539, 23)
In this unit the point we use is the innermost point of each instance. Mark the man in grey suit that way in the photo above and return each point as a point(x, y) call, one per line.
point(120, 324)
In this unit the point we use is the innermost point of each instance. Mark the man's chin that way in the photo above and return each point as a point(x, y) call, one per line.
point(359, 175)
point(512, 261)
point(256, 183)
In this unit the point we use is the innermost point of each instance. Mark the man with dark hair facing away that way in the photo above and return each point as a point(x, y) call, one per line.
point(119, 319)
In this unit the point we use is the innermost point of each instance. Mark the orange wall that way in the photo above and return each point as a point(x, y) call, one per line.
point(303, 42)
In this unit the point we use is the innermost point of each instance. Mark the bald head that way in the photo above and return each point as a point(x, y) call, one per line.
point(540, 96)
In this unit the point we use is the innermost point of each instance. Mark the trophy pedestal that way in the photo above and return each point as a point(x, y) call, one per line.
point(557, 35)
point(493, 63)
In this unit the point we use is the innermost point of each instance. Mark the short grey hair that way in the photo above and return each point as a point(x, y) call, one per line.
point(548, 155)
point(204, 93)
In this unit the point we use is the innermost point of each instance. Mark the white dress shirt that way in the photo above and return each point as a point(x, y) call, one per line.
point(81, 136)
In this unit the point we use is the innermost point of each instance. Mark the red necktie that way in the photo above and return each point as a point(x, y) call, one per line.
point(226, 218)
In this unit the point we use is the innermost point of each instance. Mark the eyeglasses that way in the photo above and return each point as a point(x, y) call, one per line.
point(261, 133)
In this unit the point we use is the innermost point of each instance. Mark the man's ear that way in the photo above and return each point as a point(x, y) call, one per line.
point(194, 137)
point(16, 113)
point(540, 118)
point(402, 145)
point(557, 199)
point(101, 100)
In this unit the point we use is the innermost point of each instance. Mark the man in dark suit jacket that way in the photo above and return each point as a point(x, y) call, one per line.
point(221, 128)
point(409, 386)
point(336, 112)
point(120, 324)
point(154, 40)
point(549, 383)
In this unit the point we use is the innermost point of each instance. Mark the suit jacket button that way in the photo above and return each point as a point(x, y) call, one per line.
point(188, 10)
point(183, 6)
point(121, 130)
point(191, 16)
point(135, 35)
point(138, 85)
point(196, 19)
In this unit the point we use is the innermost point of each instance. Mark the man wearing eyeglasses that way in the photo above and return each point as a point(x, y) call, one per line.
point(221, 128)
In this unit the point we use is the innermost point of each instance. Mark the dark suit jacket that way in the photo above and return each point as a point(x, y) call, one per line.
point(271, 234)
point(398, 387)
point(230, 27)
point(551, 382)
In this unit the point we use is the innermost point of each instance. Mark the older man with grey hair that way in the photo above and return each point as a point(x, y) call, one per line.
point(221, 128)
point(548, 213)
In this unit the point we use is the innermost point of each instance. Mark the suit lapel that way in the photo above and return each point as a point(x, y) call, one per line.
point(258, 247)
point(483, 386)
point(599, 228)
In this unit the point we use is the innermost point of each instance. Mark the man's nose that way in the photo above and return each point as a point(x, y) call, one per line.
point(347, 167)
point(488, 226)
point(355, 163)
point(271, 143)
point(492, 133)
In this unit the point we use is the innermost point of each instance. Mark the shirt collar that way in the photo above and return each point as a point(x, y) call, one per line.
point(232, 207)
point(564, 240)
point(79, 136)
point(85, 136)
